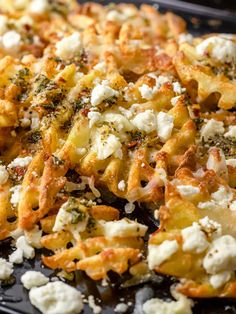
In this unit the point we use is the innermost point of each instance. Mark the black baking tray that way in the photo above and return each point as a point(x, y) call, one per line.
point(14, 298)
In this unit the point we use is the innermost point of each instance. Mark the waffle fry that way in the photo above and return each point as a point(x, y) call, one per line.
point(102, 102)
point(196, 217)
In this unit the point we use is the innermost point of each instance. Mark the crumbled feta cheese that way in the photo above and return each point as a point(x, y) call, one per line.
point(231, 162)
point(188, 190)
point(28, 251)
point(145, 121)
point(123, 228)
point(194, 239)
point(212, 128)
point(157, 254)
point(164, 126)
point(231, 132)
point(66, 217)
point(183, 38)
point(221, 49)
point(20, 162)
point(183, 305)
point(94, 117)
point(11, 40)
point(39, 6)
point(207, 205)
point(33, 278)
point(34, 236)
point(105, 147)
point(16, 257)
point(3, 175)
point(95, 308)
point(121, 308)
point(220, 279)
point(129, 207)
point(121, 185)
point(119, 122)
point(222, 196)
point(177, 88)
point(211, 227)
point(16, 195)
point(221, 255)
point(56, 298)
point(6, 269)
point(102, 92)
point(146, 91)
point(69, 46)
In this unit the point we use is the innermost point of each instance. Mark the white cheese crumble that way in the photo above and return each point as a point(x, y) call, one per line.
point(121, 185)
point(33, 278)
point(11, 40)
point(183, 305)
point(105, 147)
point(102, 92)
point(194, 239)
point(22, 244)
point(6, 269)
point(16, 257)
point(3, 175)
point(222, 196)
point(95, 308)
point(220, 279)
point(129, 207)
point(177, 88)
point(164, 126)
point(211, 227)
point(188, 190)
point(145, 121)
point(16, 194)
point(20, 162)
point(121, 308)
point(94, 117)
point(65, 217)
point(211, 128)
point(157, 254)
point(221, 49)
point(146, 91)
point(221, 255)
point(34, 236)
point(56, 298)
point(231, 132)
point(69, 46)
point(123, 228)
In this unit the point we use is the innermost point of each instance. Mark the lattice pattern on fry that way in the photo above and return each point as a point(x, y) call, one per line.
point(207, 68)
point(100, 242)
point(197, 235)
